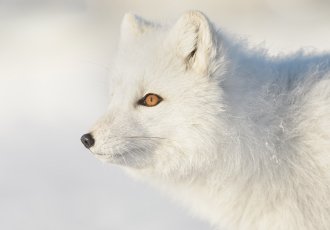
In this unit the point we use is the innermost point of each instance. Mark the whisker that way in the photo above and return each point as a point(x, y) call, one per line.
point(145, 137)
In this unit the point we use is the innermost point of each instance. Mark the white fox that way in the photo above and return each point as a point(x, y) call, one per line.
point(241, 138)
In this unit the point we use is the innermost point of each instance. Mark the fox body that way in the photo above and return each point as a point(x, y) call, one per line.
point(241, 138)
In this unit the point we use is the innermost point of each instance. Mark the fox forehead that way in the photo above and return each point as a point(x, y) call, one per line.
point(143, 49)
point(135, 59)
point(146, 66)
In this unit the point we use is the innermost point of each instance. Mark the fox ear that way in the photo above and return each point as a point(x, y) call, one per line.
point(193, 38)
point(133, 26)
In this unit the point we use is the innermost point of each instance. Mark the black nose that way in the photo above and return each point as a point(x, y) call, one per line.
point(88, 140)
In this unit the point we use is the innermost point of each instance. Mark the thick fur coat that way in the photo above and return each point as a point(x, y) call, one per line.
point(241, 138)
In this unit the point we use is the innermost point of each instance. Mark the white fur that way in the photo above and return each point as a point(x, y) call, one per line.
point(241, 138)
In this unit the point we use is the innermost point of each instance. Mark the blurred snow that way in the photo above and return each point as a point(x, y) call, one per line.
point(54, 62)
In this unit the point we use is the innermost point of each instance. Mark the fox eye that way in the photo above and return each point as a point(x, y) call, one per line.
point(150, 100)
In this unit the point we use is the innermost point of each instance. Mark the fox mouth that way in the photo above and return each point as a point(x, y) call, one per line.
point(135, 157)
point(133, 151)
point(113, 155)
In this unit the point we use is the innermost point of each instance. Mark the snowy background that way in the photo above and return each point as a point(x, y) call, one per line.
point(54, 61)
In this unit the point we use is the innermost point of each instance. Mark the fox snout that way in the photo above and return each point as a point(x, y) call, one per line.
point(87, 140)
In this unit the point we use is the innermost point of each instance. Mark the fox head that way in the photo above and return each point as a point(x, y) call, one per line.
point(165, 103)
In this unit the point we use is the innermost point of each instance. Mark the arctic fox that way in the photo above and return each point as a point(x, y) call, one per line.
point(241, 138)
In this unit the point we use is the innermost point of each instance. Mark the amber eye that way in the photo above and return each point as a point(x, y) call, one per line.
point(150, 100)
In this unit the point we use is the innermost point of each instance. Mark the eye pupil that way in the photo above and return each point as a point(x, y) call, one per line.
point(150, 100)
